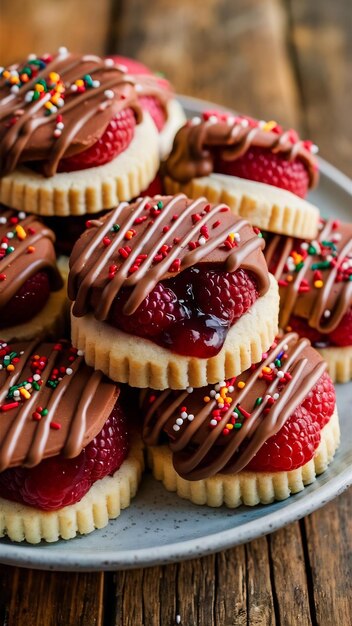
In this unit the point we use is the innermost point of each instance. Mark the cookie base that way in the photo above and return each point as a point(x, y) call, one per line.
point(90, 190)
point(49, 323)
point(265, 206)
point(175, 119)
point(339, 362)
point(104, 501)
point(141, 363)
point(249, 488)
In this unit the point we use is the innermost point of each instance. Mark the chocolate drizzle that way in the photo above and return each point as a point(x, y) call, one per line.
point(196, 143)
point(31, 246)
point(315, 278)
point(27, 131)
point(138, 245)
point(202, 449)
point(75, 402)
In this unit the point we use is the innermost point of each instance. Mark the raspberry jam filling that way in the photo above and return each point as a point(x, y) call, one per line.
point(57, 482)
point(341, 336)
point(27, 302)
point(192, 313)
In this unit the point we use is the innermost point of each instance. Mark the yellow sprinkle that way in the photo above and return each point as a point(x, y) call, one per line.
point(25, 393)
point(266, 370)
point(223, 392)
point(6, 74)
point(80, 82)
point(228, 400)
point(21, 233)
point(10, 368)
point(31, 249)
point(231, 236)
point(318, 284)
point(229, 426)
point(269, 125)
point(39, 87)
point(241, 384)
point(54, 77)
point(289, 278)
point(48, 105)
point(206, 399)
point(297, 257)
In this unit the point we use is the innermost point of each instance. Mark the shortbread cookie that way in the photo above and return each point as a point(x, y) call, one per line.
point(63, 434)
point(74, 138)
point(249, 488)
point(174, 274)
point(32, 290)
point(251, 438)
point(156, 95)
point(315, 279)
point(243, 162)
point(105, 500)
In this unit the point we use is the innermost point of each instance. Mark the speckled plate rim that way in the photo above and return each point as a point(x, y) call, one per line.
point(78, 560)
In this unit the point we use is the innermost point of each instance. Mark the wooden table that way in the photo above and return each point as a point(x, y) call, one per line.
point(290, 61)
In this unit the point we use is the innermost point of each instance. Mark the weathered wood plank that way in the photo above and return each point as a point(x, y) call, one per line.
point(39, 27)
point(329, 543)
point(55, 599)
point(233, 53)
point(260, 602)
point(231, 588)
point(322, 47)
point(289, 576)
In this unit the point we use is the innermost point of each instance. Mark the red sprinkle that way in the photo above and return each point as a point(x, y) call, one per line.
point(9, 406)
point(216, 224)
point(55, 425)
point(106, 241)
point(196, 218)
point(2, 276)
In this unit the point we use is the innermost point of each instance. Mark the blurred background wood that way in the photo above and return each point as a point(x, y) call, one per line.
point(289, 60)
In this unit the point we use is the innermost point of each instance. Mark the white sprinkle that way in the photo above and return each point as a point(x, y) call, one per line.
point(4, 246)
point(304, 246)
point(231, 120)
point(69, 371)
point(3, 220)
point(96, 84)
point(222, 384)
point(22, 215)
point(28, 386)
point(31, 57)
point(175, 427)
point(28, 97)
point(327, 313)
point(80, 353)
point(14, 89)
point(16, 393)
point(336, 237)
point(60, 125)
point(314, 149)
point(217, 396)
point(272, 366)
point(220, 405)
point(213, 119)
point(231, 389)
point(62, 50)
point(179, 421)
point(10, 235)
point(184, 415)
point(202, 241)
point(190, 417)
point(213, 422)
point(189, 389)
point(138, 88)
point(108, 93)
point(244, 123)
point(178, 619)
point(261, 123)
point(57, 132)
point(276, 396)
point(36, 377)
point(109, 62)
point(212, 393)
point(74, 87)
point(196, 120)
point(217, 387)
point(280, 374)
point(60, 102)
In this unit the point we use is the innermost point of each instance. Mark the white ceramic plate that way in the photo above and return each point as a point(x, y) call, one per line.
point(159, 527)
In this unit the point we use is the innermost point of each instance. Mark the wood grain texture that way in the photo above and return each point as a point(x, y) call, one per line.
point(233, 53)
point(321, 46)
point(52, 599)
point(40, 27)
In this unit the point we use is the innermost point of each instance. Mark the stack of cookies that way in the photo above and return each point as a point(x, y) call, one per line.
point(174, 300)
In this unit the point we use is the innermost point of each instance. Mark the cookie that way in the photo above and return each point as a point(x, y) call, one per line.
point(186, 282)
point(250, 438)
point(261, 171)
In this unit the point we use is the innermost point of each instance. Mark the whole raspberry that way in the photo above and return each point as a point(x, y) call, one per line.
point(300, 326)
point(264, 166)
point(295, 443)
point(225, 295)
point(157, 312)
point(57, 482)
point(342, 335)
point(155, 110)
point(27, 302)
point(116, 138)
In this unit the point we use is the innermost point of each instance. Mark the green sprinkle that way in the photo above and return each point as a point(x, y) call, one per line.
point(9, 249)
point(312, 250)
point(260, 234)
point(35, 385)
point(238, 425)
point(236, 410)
point(116, 228)
point(160, 205)
point(321, 265)
point(299, 266)
point(44, 412)
point(278, 363)
point(258, 401)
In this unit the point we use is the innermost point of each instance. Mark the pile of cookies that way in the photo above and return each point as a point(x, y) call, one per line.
point(160, 280)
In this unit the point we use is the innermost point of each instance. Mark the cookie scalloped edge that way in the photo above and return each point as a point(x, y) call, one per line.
point(141, 363)
point(176, 118)
point(105, 500)
point(90, 190)
point(265, 206)
point(249, 488)
point(339, 360)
